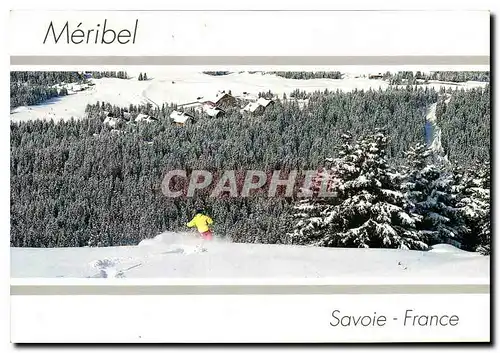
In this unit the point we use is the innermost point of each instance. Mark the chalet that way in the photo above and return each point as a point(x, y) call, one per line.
point(378, 76)
point(144, 118)
point(107, 114)
point(78, 87)
point(127, 116)
point(111, 121)
point(264, 102)
point(257, 108)
point(222, 100)
point(180, 118)
point(214, 112)
point(253, 108)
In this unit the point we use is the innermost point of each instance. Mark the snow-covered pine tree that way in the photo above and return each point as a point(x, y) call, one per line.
point(475, 208)
point(485, 238)
point(307, 213)
point(431, 190)
point(369, 209)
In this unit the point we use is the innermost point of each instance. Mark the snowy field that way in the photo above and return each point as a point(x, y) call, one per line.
point(183, 87)
point(178, 255)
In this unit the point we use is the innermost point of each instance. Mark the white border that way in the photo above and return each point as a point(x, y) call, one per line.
point(243, 318)
point(262, 33)
point(157, 4)
point(257, 5)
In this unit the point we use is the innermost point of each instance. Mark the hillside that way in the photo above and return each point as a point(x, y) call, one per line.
point(183, 87)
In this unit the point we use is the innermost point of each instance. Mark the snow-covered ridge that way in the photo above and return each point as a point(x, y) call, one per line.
point(184, 87)
point(179, 255)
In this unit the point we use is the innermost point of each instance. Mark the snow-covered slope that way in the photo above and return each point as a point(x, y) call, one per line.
point(182, 87)
point(177, 255)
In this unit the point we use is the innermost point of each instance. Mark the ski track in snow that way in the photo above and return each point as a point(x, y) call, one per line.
point(117, 267)
point(106, 268)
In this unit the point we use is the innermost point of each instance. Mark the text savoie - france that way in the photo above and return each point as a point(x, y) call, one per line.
point(410, 318)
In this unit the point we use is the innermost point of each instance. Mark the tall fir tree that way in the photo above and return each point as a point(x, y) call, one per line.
point(474, 206)
point(430, 188)
point(369, 208)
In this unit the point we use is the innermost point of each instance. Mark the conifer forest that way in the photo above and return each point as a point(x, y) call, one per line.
point(409, 165)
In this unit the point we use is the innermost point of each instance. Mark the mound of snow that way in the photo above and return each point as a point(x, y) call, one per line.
point(150, 242)
point(178, 238)
point(171, 238)
point(448, 248)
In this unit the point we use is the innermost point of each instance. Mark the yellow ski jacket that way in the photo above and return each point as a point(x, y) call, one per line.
point(201, 222)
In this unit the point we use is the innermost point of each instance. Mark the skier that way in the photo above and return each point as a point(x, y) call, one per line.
point(201, 222)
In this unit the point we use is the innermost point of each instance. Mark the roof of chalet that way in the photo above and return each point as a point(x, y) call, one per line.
point(264, 102)
point(111, 121)
point(180, 117)
point(217, 97)
point(144, 117)
point(213, 111)
point(251, 107)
